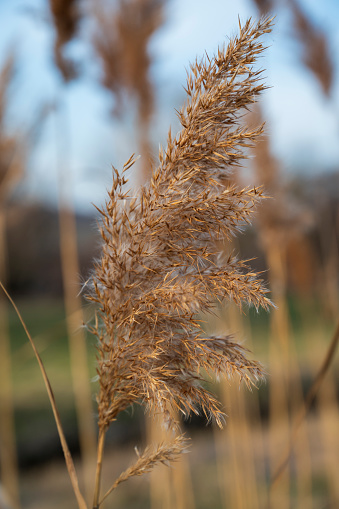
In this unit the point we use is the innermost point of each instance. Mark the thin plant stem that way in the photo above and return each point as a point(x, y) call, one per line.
point(67, 454)
point(108, 492)
point(279, 356)
point(101, 442)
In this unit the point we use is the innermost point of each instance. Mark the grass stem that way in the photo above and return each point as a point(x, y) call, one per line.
point(101, 442)
point(67, 454)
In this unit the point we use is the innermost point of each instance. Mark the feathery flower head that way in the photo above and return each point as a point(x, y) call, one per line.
point(162, 261)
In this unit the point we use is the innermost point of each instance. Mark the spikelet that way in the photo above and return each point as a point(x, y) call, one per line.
point(161, 262)
point(164, 453)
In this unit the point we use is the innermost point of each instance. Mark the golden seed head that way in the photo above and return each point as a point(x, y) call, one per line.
point(161, 261)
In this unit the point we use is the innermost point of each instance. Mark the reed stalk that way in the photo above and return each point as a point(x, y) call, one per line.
point(100, 453)
point(237, 436)
point(74, 313)
point(161, 488)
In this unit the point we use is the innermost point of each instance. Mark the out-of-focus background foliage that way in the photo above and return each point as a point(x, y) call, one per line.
point(83, 85)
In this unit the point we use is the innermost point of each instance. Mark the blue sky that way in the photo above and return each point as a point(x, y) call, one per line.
point(303, 125)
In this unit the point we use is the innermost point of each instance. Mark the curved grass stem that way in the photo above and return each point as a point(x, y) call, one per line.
point(68, 458)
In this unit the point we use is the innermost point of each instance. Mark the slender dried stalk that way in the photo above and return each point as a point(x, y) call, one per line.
point(161, 260)
point(101, 442)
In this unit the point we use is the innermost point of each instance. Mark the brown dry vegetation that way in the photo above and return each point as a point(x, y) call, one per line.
point(166, 288)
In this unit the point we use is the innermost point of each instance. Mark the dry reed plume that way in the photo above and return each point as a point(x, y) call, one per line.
point(264, 6)
point(121, 42)
point(161, 263)
point(66, 17)
point(316, 53)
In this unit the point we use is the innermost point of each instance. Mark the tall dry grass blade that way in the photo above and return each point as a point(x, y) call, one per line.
point(161, 263)
point(67, 454)
point(311, 394)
